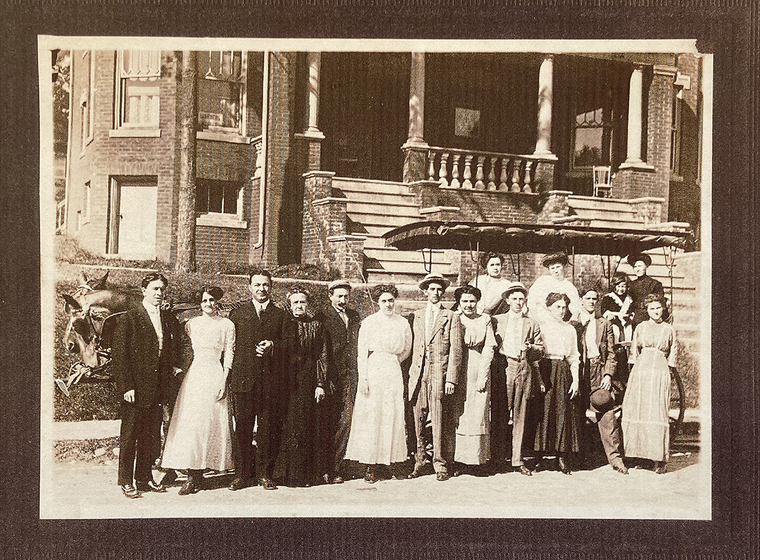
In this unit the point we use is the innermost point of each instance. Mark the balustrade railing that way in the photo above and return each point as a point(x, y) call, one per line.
point(484, 171)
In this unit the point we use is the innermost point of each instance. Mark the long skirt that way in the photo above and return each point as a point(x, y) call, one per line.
point(199, 433)
point(559, 418)
point(377, 428)
point(646, 430)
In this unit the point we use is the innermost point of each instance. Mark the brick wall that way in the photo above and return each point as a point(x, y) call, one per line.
point(221, 247)
point(659, 119)
point(107, 156)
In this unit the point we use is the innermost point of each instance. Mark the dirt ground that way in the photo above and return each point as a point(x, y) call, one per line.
point(81, 483)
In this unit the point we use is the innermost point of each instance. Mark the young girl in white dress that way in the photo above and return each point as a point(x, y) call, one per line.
point(199, 435)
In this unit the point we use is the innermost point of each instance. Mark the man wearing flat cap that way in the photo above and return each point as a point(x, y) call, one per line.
point(342, 330)
point(514, 377)
point(641, 287)
point(599, 374)
point(433, 375)
point(554, 282)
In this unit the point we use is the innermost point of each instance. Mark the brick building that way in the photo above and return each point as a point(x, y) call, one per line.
point(311, 157)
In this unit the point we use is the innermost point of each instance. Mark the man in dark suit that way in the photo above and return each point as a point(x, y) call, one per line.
point(145, 353)
point(514, 377)
point(604, 389)
point(342, 329)
point(257, 381)
point(436, 362)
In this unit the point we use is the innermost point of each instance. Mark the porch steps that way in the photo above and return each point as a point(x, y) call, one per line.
point(603, 212)
point(374, 208)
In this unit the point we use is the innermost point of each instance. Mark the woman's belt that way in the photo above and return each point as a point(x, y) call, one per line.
point(554, 357)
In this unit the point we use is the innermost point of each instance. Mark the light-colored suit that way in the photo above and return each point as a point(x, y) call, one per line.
point(436, 360)
point(514, 380)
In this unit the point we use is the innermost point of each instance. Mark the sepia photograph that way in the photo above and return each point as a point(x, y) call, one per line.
point(375, 278)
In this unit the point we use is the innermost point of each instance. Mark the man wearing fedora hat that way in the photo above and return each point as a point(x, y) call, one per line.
point(641, 287)
point(342, 330)
point(599, 367)
point(433, 375)
point(514, 377)
point(554, 282)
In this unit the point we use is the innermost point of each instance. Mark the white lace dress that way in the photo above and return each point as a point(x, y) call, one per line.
point(199, 433)
point(377, 428)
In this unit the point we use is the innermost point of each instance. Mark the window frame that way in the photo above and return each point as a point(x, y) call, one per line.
point(120, 98)
point(676, 131)
point(221, 219)
point(86, 104)
point(215, 132)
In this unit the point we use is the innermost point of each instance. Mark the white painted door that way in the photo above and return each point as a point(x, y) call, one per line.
point(137, 225)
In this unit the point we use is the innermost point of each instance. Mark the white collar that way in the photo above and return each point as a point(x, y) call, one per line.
point(152, 309)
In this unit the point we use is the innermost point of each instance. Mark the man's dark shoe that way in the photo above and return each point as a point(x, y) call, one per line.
point(237, 484)
point(337, 480)
point(442, 476)
point(620, 467)
point(130, 491)
point(150, 486)
point(524, 470)
point(564, 467)
point(169, 478)
point(268, 484)
point(416, 473)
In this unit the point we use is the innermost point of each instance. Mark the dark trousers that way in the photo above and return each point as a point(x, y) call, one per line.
point(339, 424)
point(443, 423)
point(517, 400)
point(140, 437)
point(501, 446)
point(250, 408)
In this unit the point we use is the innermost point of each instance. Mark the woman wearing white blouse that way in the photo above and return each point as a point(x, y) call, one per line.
point(558, 431)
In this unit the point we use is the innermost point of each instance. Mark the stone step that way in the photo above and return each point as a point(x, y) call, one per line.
point(409, 267)
point(351, 185)
point(613, 223)
point(398, 208)
point(382, 276)
point(385, 220)
point(391, 254)
point(378, 198)
point(594, 202)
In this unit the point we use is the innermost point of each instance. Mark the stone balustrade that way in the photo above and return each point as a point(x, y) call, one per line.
point(484, 171)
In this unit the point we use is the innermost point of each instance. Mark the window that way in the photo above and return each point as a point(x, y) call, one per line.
point(221, 91)
point(219, 203)
point(137, 89)
point(87, 202)
point(675, 132)
point(86, 100)
point(592, 137)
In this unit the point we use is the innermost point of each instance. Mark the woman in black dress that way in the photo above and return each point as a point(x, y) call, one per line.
point(301, 461)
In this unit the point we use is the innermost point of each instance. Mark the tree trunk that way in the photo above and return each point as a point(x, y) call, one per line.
point(188, 112)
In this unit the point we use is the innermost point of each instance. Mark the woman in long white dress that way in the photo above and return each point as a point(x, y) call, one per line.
point(473, 430)
point(199, 435)
point(645, 422)
point(377, 434)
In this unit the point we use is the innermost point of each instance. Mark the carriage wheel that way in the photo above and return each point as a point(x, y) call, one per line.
point(677, 407)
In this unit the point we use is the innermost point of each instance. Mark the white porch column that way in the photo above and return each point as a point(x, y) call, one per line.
point(545, 93)
point(635, 96)
point(315, 65)
point(417, 100)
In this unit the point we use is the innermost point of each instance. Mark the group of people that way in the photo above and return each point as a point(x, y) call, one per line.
point(504, 380)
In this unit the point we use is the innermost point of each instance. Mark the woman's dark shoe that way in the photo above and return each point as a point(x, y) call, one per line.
point(525, 470)
point(660, 467)
point(268, 484)
point(189, 487)
point(369, 476)
point(563, 466)
point(237, 484)
point(130, 491)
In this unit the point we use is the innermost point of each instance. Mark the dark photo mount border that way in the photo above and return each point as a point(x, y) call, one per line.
point(727, 29)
